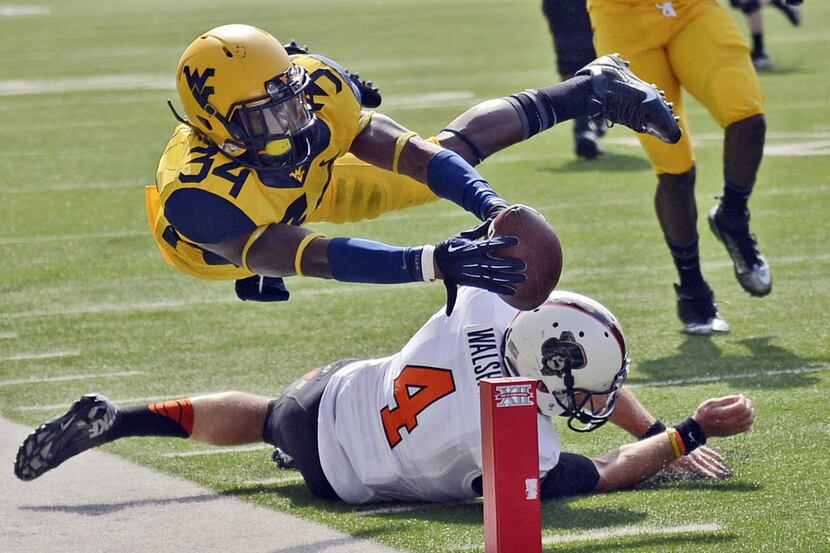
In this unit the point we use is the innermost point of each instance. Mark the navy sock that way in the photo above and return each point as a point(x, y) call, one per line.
point(733, 204)
point(757, 42)
point(569, 99)
point(540, 109)
point(687, 260)
point(171, 418)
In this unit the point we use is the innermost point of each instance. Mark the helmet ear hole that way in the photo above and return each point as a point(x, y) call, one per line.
point(228, 53)
point(206, 123)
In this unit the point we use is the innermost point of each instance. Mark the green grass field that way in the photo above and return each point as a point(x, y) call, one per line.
point(88, 304)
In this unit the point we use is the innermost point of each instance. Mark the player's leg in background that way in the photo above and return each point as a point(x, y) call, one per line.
point(755, 22)
point(723, 80)
point(221, 419)
point(573, 44)
point(792, 13)
point(674, 199)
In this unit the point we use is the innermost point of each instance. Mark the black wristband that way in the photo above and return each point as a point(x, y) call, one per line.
point(656, 428)
point(691, 433)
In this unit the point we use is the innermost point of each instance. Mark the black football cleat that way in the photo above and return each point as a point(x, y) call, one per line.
point(586, 138)
point(622, 97)
point(761, 60)
point(283, 460)
point(792, 13)
point(751, 269)
point(698, 311)
point(87, 424)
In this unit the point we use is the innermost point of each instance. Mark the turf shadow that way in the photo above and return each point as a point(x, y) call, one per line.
point(100, 509)
point(700, 357)
point(673, 542)
point(609, 162)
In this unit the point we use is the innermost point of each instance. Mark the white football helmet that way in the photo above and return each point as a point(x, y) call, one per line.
point(574, 347)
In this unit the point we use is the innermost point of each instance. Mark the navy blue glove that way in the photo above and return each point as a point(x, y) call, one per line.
point(466, 262)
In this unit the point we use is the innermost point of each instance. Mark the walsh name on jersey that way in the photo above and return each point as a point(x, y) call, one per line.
point(483, 352)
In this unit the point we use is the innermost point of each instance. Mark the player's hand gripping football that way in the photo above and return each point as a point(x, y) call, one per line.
point(465, 261)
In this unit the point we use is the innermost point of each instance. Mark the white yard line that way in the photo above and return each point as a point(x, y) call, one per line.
point(118, 308)
point(731, 376)
point(646, 269)
point(70, 187)
point(217, 451)
point(273, 481)
point(602, 534)
point(43, 355)
point(807, 143)
point(68, 377)
point(95, 83)
point(8, 335)
point(12, 11)
point(70, 237)
point(177, 304)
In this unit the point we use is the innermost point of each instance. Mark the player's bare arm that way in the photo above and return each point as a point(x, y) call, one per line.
point(632, 463)
point(634, 418)
point(379, 145)
point(272, 251)
point(631, 416)
point(278, 250)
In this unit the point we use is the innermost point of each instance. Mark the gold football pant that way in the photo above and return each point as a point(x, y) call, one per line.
point(693, 44)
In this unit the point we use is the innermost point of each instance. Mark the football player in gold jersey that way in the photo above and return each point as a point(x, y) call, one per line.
point(273, 141)
point(695, 45)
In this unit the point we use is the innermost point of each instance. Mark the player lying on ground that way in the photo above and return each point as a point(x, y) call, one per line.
point(273, 141)
point(407, 427)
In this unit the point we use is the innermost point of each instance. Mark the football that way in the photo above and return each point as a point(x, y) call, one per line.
point(538, 247)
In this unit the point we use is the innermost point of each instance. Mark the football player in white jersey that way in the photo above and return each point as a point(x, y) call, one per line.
point(407, 427)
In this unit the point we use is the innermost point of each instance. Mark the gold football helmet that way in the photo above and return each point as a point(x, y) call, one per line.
point(240, 90)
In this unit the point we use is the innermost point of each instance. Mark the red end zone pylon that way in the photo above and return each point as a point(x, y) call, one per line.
point(510, 466)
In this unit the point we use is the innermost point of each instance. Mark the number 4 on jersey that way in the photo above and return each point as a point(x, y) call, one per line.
point(416, 388)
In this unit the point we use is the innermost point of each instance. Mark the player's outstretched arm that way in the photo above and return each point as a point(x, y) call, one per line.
point(632, 416)
point(386, 144)
point(632, 463)
point(285, 250)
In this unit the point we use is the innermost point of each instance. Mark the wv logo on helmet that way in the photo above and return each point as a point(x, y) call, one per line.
point(197, 84)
